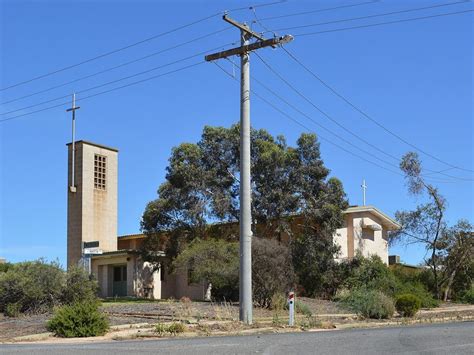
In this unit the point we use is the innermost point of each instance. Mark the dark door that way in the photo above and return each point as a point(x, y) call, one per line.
point(120, 281)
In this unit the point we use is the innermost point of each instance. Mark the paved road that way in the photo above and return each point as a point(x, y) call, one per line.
point(455, 338)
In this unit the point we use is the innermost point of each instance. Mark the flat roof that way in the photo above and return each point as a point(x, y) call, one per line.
point(372, 209)
point(95, 145)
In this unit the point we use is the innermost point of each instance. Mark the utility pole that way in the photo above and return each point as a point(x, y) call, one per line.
point(245, 270)
point(364, 188)
point(73, 109)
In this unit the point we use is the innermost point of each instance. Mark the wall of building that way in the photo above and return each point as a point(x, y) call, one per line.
point(367, 241)
point(92, 212)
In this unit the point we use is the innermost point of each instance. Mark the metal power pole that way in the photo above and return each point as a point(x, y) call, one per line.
point(73, 109)
point(245, 270)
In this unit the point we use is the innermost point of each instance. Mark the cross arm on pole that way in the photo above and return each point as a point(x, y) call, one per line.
point(250, 47)
point(243, 27)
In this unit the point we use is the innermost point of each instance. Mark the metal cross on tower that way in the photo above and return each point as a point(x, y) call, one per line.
point(364, 188)
point(245, 270)
point(73, 109)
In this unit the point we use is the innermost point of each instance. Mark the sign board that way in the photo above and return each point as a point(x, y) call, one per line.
point(93, 244)
point(92, 251)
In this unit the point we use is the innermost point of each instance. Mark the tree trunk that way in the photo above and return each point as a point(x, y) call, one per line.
point(448, 287)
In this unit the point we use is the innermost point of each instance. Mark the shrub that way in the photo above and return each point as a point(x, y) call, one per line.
point(279, 301)
point(371, 273)
point(370, 303)
point(215, 261)
point(81, 319)
point(176, 328)
point(35, 285)
point(407, 305)
point(79, 287)
point(468, 296)
point(272, 270)
point(303, 308)
point(161, 329)
point(13, 309)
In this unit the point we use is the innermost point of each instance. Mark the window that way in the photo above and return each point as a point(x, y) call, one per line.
point(100, 171)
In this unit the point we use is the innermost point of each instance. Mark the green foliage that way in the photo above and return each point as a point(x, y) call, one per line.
point(12, 309)
point(279, 302)
point(370, 303)
point(81, 319)
point(303, 308)
point(371, 273)
point(5, 266)
point(201, 186)
point(38, 286)
point(215, 261)
point(272, 270)
point(407, 305)
point(176, 328)
point(173, 328)
point(35, 285)
point(80, 287)
point(161, 329)
point(468, 296)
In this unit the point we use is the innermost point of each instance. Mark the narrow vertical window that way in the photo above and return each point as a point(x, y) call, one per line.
point(100, 172)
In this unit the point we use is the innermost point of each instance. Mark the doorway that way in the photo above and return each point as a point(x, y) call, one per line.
point(120, 281)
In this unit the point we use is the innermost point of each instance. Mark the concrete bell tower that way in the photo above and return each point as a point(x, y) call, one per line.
point(91, 199)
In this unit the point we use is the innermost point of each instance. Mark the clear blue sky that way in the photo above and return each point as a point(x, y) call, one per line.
point(414, 77)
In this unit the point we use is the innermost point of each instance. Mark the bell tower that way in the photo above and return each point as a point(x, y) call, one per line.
point(91, 199)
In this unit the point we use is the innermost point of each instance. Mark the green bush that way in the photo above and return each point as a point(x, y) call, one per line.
point(279, 301)
point(468, 296)
point(303, 308)
point(12, 309)
point(161, 329)
point(35, 285)
point(176, 328)
point(272, 270)
point(81, 319)
point(38, 286)
point(370, 303)
point(407, 305)
point(79, 287)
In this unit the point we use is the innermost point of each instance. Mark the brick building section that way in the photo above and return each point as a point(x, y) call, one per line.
point(92, 209)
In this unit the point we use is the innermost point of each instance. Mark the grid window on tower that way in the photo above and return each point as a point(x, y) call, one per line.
point(100, 169)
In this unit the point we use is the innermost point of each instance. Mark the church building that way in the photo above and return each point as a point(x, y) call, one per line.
point(92, 238)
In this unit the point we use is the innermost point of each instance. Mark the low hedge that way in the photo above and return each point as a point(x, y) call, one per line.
point(407, 305)
point(81, 319)
point(370, 303)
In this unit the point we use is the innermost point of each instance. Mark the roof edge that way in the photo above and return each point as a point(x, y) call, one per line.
point(376, 211)
point(95, 145)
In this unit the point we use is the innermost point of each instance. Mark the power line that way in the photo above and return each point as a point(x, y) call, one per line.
point(382, 23)
point(307, 128)
point(342, 126)
point(318, 134)
point(117, 66)
point(325, 114)
point(105, 92)
point(369, 117)
point(336, 134)
point(373, 16)
point(134, 44)
point(317, 10)
point(117, 80)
